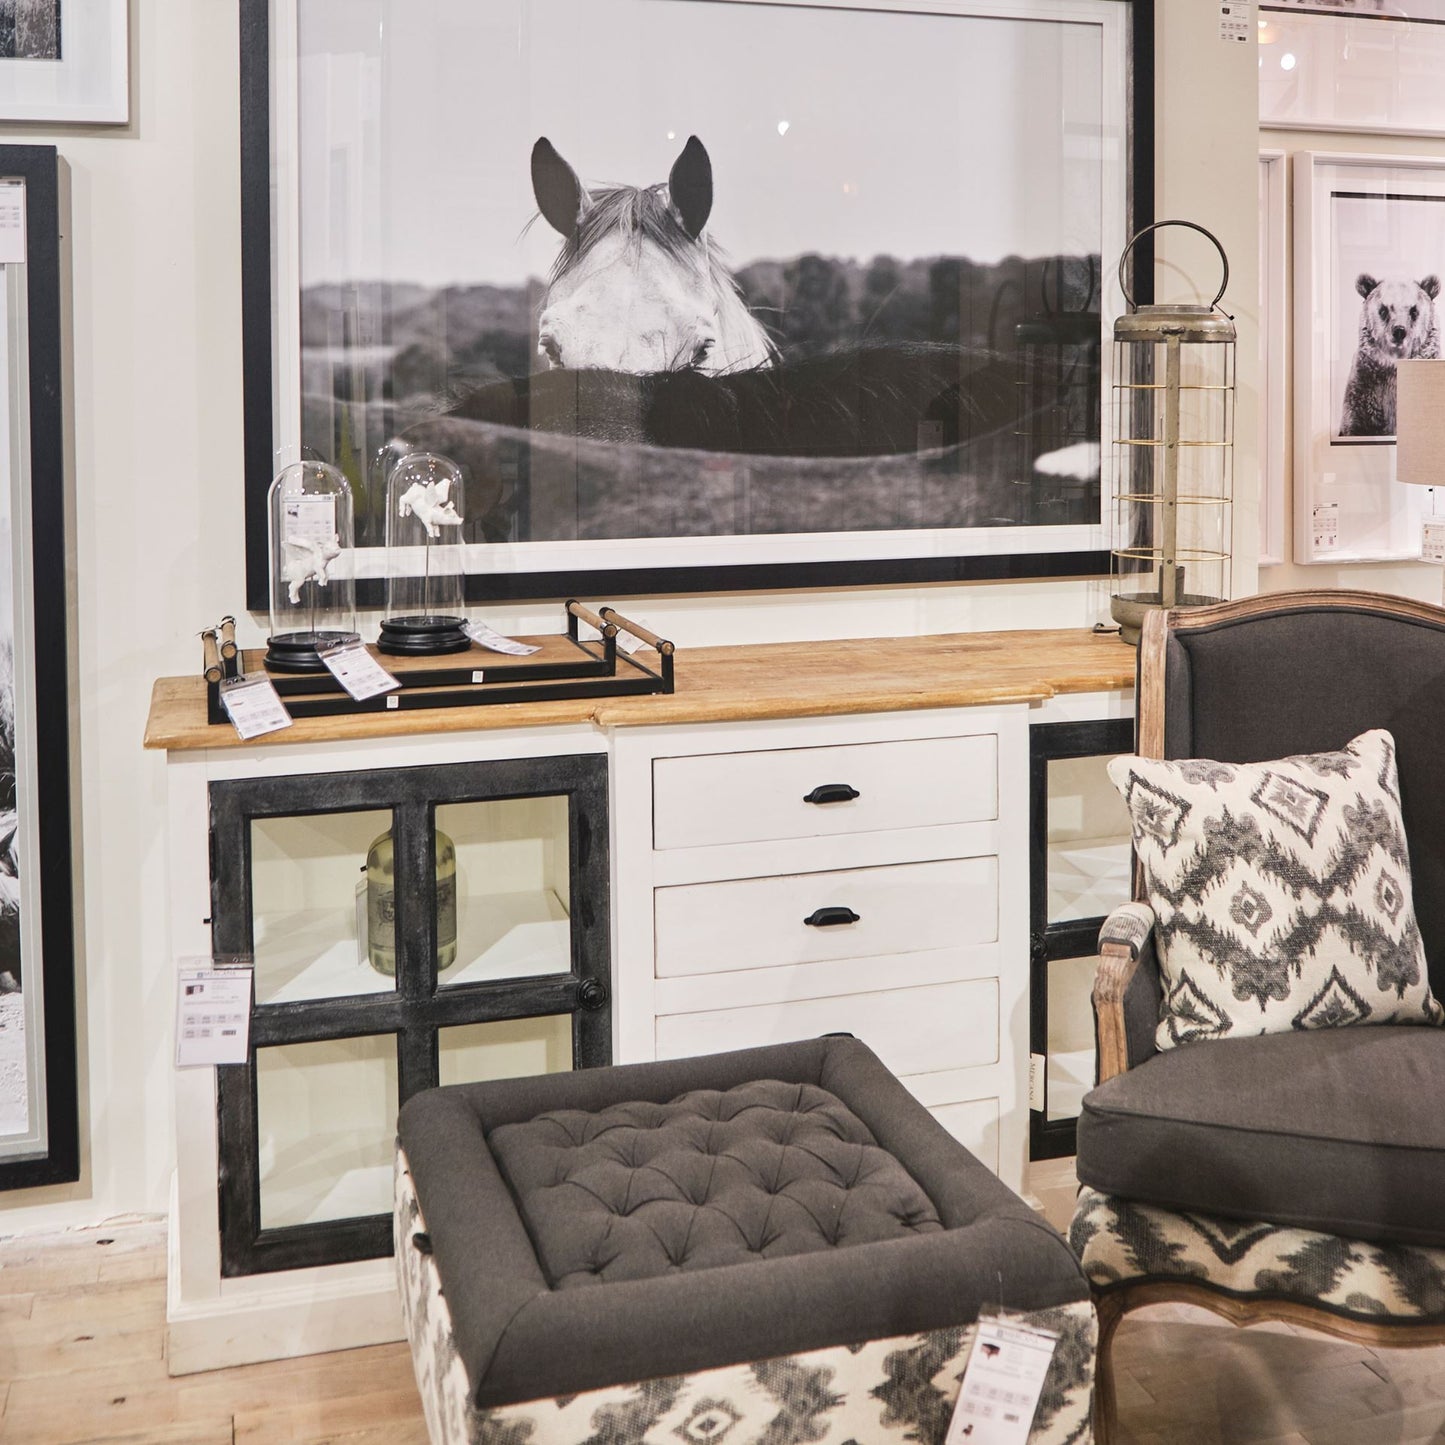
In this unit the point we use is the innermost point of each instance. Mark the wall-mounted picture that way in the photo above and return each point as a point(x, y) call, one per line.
point(686, 286)
point(1358, 65)
point(1369, 235)
point(1273, 333)
point(38, 1107)
point(65, 61)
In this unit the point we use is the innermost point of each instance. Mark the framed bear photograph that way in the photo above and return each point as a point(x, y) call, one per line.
point(696, 294)
point(1369, 256)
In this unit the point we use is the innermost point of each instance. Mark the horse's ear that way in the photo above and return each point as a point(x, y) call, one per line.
point(690, 186)
point(559, 193)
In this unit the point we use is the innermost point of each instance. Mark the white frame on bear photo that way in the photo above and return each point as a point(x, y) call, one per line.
point(87, 83)
point(1348, 505)
point(1273, 334)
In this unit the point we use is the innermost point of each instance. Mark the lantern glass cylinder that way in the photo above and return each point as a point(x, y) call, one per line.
point(425, 580)
point(313, 593)
point(1173, 460)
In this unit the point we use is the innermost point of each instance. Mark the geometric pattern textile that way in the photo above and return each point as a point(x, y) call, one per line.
point(894, 1392)
point(1119, 1241)
point(1281, 891)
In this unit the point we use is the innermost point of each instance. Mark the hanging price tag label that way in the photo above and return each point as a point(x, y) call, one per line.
point(1325, 525)
point(253, 706)
point(1002, 1383)
point(1432, 543)
point(484, 636)
point(213, 1014)
point(357, 670)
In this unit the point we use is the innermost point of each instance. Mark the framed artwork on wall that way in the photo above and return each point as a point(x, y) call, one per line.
point(1273, 331)
point(65, 60)
point(1357, 65)
point(39, 1135)
point(693, 327)
point(1369, 241)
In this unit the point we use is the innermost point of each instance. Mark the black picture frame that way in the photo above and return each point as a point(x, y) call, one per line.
point(257, 302)
point(39, 168)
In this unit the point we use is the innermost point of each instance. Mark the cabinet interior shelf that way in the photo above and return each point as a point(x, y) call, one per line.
point(1087, 877)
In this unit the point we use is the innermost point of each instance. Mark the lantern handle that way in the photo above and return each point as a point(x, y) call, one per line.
point(1154, 226)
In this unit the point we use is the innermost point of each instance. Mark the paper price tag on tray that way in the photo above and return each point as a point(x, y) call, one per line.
point(213, 1014)
point(357, 670)
point(484, 636)
point(253, 706)
point(1002, 1383)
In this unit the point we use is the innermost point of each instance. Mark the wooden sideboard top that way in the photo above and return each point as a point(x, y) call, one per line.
point(729, 684)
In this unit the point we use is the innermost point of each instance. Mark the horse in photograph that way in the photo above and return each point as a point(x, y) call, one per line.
point(1397, 323)
point(648, 344)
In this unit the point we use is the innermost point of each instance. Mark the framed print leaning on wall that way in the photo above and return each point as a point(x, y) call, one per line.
point(1369, 254)
point(39, 1136)
point(1273, 331)
point(497, 232)
point(65, 60)
point(1359, 65)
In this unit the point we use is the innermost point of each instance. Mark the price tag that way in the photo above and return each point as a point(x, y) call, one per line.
point(1325, 524)
point(309, 519)
point(1432, 545)
point(356, 669)
point(630, 644)
point(484, 636)
point(253, 706)
point(213, 1013)
point(1002, 1383)
point(1234, 21)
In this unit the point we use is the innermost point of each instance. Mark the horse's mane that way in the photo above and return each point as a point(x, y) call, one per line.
point(641, 213)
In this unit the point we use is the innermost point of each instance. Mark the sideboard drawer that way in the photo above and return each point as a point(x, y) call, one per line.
point(762, 922)
point(759, 796)
point(913, 1030)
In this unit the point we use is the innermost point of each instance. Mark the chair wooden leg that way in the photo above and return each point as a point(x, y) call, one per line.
point(1110, 1310)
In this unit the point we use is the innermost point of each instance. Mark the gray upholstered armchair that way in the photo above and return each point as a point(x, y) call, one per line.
point(1295, 1175)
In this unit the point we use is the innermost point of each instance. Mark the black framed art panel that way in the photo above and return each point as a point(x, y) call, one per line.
point(496, 232)
point(39, 1106)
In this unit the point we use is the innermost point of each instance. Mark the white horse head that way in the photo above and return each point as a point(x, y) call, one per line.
point(638, 285)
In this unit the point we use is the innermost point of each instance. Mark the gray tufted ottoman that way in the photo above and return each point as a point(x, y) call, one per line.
point(758, 1248)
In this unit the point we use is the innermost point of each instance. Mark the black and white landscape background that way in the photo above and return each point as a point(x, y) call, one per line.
point(905, 200)
point(30, 30)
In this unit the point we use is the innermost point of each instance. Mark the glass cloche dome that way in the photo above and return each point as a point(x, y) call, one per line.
point(424, 568)
point(313, 592)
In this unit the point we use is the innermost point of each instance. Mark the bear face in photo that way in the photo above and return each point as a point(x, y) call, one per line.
point(1398, 318)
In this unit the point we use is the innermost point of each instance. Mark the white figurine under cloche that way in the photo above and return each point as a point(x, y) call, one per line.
point(425, 577)
point(313, 594)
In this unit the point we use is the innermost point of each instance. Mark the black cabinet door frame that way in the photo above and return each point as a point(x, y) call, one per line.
point(415, 1010)
point(1050, 941)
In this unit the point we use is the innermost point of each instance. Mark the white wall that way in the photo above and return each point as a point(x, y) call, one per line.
point(157, 400)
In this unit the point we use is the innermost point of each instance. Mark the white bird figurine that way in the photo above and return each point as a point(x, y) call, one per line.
point(428, 502)
point(305, 559)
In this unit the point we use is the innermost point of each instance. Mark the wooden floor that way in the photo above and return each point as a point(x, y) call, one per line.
point(82, 1359)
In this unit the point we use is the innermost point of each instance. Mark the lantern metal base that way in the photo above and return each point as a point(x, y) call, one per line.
point(423, 636)
point(1129, 612)
point(299, 651)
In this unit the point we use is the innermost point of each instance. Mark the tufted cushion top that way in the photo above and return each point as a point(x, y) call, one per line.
point(737, 1207)
point(712, 1177)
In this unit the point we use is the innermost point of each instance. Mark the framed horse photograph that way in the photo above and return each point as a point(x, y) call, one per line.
point(696, 294)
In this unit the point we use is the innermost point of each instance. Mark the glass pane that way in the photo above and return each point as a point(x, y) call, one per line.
point(1071, 1035)
point(1088, 840)
point(308, 886)
point(512, 889)
point(326, 1127)
point(508, 1049)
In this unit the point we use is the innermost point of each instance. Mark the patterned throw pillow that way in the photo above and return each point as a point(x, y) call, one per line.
point(1282, 892)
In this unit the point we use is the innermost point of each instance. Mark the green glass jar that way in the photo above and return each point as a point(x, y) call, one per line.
point(381, 904)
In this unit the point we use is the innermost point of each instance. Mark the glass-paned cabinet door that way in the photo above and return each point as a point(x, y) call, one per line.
point(1080, 861)
point(410, 927)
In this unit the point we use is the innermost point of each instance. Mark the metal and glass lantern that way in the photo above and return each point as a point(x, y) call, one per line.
point(313, 592)
point(1173, 451)
point(424, 566)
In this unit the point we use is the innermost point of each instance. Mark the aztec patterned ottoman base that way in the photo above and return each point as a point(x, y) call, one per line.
point(759, 1248)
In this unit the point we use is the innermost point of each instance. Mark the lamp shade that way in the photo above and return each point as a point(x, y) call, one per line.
point(1420, 423)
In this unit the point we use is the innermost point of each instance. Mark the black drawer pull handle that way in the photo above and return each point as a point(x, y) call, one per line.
point(832, 793)
point(831, 917)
